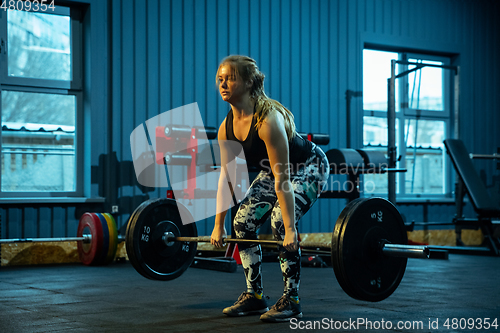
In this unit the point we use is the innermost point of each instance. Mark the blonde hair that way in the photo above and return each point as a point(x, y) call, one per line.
point(246, 68)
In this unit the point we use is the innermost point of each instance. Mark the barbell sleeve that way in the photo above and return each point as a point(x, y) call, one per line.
point(185, 131)
point(485, 156)
point(406, 251)
point(177, 159)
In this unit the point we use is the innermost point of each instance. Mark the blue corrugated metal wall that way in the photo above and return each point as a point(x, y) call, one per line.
point(164, 54)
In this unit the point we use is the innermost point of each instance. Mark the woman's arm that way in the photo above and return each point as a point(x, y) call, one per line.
point(273, 133)
point(223, 193)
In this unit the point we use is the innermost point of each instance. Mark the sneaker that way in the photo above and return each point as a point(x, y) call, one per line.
point(247, 304)
point(284, 309)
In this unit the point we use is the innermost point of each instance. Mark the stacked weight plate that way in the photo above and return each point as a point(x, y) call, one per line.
point(101, 248)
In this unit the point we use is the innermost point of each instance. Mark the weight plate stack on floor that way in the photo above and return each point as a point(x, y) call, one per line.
point(102, 246)
point(146, 249)
point(361, 268)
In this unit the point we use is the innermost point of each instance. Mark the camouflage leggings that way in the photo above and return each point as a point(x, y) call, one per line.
point(261, 202)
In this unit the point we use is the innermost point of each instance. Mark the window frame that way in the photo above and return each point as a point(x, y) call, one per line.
point(73, 87)
point(404, 113)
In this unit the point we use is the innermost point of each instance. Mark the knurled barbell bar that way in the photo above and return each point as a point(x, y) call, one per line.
point(393, 250)
point(84, 238)
point(369, 248)
point(97, 238)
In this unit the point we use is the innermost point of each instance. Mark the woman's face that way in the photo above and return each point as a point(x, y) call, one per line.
point(231, 87)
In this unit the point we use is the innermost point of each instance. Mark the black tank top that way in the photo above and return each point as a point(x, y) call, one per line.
point(255, 149)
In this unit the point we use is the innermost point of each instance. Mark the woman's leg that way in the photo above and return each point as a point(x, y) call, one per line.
point(307, 185)
point(254, 210)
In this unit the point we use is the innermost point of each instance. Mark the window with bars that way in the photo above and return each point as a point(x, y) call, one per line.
point(423, 103)
point(41, 98)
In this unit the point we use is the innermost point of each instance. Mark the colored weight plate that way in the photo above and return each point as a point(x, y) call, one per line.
point(147, 252)
point(105, 238)
point(113, 238)
point(111, 241)
point(335, 249)
point(367, 273)
point(90, 253)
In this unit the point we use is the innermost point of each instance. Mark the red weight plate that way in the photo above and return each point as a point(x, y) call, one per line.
point(90, 253)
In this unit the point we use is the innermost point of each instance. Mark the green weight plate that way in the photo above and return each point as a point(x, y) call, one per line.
point(148, 253)
point(113, 238)
point(365, 272)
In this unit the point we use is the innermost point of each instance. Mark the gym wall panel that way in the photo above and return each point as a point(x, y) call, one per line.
point(44, 221)
point(311, 53)
point(150, 56)
point(194, 36)
point(38, 221)
point(58, 222)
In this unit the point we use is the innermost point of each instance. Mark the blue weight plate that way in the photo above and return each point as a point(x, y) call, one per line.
point(105, 239)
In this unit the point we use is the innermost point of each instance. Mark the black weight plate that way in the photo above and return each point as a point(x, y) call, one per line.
point(350, 288)
point(128, 243)
point(367, 274)
point(129, 240)
point(149, 255)
point(335, 250)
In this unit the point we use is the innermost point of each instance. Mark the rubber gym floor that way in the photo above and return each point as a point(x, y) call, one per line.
point(461, 292)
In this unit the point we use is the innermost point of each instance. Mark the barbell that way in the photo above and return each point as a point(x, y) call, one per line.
point(368, 247)
point(97, 239)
